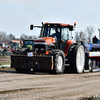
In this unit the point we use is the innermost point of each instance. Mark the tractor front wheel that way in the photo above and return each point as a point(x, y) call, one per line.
point(59, 61)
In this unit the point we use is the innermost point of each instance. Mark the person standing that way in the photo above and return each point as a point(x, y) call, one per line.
point(95, 39)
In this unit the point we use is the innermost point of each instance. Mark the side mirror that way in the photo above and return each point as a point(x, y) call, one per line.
point(31, 27)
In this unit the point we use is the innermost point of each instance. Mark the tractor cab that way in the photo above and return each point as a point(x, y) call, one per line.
point(57, 30)
point(61, 32)
point(53, 36)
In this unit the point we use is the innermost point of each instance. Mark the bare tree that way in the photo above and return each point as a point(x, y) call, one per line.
point(34, 37)
point(80, 36)
point(83, 36)
point(30, 37)
point(6, 38)
point(89, 31)
point(11, 37)
point(77, 36)
point(23, 36)
point(3, 37)
point(0, 36)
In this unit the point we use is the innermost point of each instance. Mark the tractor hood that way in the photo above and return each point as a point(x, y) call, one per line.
point(45, 40)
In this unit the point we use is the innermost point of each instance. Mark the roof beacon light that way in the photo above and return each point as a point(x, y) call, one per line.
point(74, 24)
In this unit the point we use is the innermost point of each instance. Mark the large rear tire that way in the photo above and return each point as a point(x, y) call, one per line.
point(78, 59)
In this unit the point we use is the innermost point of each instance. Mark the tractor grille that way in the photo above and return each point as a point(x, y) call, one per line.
point(41, 48)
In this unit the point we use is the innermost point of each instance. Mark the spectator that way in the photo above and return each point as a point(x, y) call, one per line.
point(95, 39)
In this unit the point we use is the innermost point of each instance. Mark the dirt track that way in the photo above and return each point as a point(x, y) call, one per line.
point(44, 86)
point(5, 60)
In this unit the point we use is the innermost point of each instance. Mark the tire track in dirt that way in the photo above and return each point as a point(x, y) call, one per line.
point(48, 87)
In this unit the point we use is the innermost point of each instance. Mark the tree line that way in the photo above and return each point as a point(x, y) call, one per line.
point(6, 38)
point(85, 36)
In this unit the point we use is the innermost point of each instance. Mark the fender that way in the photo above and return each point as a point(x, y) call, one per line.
point(67, 46)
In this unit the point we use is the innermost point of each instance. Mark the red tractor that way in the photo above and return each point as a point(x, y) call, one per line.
point(54, 51)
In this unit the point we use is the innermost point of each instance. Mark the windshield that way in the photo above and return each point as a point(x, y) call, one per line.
point(52, 32)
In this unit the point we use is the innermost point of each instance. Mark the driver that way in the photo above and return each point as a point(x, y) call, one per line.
point(56, 34)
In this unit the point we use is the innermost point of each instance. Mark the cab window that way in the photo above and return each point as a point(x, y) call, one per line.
point(52, 32)
point(70, 35)
point(64, 34)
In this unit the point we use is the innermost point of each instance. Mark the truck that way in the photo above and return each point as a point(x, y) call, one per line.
point(55, 51)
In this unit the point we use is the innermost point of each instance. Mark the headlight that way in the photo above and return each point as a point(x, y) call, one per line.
point(36, 49)
point(42, 49)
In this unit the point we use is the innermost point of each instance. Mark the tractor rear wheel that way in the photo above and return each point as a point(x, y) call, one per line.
point(78, 59)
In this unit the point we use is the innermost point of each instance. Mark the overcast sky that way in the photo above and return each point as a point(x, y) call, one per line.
point(17, 15)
